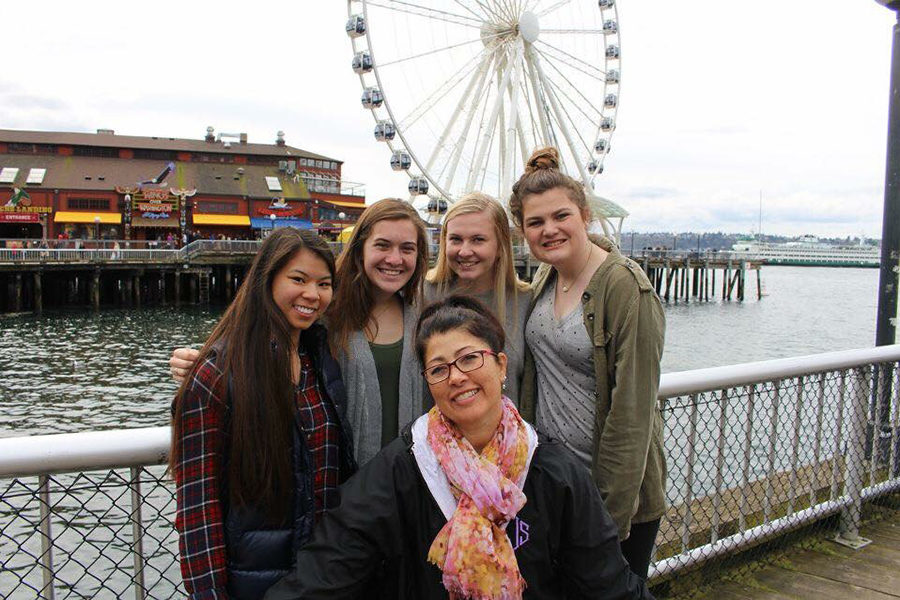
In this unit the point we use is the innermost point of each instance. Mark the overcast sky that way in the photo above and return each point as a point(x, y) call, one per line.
point(719, 101)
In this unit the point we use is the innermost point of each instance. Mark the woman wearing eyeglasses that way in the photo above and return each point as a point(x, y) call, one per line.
point(469, 502)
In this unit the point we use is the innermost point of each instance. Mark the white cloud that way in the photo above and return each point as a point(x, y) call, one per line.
point(717, 103)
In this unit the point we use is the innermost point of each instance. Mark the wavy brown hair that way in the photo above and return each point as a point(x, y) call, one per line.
point(354, 295)
point(252, 348)
point(505, 278)
point(542, 174)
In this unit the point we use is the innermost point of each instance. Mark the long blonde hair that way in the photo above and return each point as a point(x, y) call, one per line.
point(505, 278)
point(354, 295)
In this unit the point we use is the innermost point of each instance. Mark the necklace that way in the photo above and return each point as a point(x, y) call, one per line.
point(566, 288)
point(372, 325)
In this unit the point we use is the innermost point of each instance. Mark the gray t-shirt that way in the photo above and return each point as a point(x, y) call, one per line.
point(564, 361)
point(514, 326)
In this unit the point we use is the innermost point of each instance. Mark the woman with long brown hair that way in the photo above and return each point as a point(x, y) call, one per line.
point(371, 322)
point(595, 339)
point(259, 435)
point(475, 258)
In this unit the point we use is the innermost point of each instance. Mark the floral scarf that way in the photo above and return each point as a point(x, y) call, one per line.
point(472, 549)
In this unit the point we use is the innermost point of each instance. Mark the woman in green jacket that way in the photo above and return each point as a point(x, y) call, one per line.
point(595, 339)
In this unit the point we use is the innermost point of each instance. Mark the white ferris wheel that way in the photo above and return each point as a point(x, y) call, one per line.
point(462, 91)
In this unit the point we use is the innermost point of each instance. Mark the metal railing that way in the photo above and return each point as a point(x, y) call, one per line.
point(754, 451)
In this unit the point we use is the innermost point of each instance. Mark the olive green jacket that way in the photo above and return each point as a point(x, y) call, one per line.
point(624, 317)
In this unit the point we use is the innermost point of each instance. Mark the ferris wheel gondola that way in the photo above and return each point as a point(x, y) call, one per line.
point(462, 92)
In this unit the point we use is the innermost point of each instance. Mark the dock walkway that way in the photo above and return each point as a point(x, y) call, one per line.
point(825, 570)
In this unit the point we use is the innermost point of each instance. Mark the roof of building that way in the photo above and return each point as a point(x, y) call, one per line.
point(104, 174)
point(112, 140)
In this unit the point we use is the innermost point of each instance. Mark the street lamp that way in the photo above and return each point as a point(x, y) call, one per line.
point(97, 230)
point(272, 218)
point(885, 327)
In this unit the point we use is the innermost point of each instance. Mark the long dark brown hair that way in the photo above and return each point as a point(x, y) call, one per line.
point(255, 337)
point(354, 295)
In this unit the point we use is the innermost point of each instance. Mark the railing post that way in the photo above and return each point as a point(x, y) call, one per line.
point(137, 534)
point(854, 462)
point(46, 538)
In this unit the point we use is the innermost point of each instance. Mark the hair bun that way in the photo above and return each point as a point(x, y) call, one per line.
point(543, 158)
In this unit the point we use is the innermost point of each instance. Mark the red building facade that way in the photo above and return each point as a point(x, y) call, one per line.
point(85, 186)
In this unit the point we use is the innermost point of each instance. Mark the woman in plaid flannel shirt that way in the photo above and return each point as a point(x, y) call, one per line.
point(259, 438)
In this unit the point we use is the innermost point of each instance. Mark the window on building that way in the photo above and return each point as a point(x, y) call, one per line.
point(8, 174)
point(88, 204)
point(273, 184)
point(217, 208)
point(262, 160)
point(156, 154)
point(96, 152)
point(36, 176)
point(20, 148)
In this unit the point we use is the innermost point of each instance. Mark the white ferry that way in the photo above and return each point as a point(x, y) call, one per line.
point(808, 251)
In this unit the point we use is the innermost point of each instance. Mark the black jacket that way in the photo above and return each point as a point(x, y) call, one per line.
point(376, 543)
point(259, 554)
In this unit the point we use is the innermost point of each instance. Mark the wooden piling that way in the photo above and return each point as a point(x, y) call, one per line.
point(228, 281)
point(137, 290)
point(17, 293)
point(758, 284)
point(177, 288)
point(192, 288)
point(38, 292)
point(670, 273)
point(95, 290)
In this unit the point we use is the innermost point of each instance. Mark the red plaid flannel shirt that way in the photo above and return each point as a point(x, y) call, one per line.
point(199, 517)
point(321, 428)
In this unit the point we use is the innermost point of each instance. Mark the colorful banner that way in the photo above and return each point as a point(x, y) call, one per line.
point(25, 209)
point(281, 208)
point(18, 217)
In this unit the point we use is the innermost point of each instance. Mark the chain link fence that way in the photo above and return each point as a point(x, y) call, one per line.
point(89, 535)
point(748, 463)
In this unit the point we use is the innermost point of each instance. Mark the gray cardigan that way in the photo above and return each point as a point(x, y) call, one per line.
point(364, 395)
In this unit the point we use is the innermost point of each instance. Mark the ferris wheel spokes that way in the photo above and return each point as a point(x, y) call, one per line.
point(428, 13)
point(477, 76)
point(419, 111)
point(473, 109)
point(484, 143)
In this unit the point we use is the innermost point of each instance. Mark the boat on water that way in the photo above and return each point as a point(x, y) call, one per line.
point(808, 251)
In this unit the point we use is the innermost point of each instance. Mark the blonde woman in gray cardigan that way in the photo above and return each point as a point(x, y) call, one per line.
point(475, 258)
point(371, 323)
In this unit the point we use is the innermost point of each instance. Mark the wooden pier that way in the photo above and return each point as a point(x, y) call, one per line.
point(129, 275)
point(824, 570)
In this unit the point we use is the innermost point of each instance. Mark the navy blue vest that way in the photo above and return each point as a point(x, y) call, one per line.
point(259, 554)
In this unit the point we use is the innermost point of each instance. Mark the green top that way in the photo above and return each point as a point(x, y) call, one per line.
point(387, 365)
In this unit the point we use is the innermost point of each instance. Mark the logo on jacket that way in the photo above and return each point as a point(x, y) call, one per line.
point(519, 534)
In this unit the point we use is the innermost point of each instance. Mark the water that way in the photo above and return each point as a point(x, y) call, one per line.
point(79, 371)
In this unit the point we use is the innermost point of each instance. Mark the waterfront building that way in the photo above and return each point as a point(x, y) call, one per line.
point(109, 186)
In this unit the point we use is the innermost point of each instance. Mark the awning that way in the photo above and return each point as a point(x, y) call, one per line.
point(262, 223)
point(359, 205)
point(87, 217)
point(145, 222)
point(235, 220)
